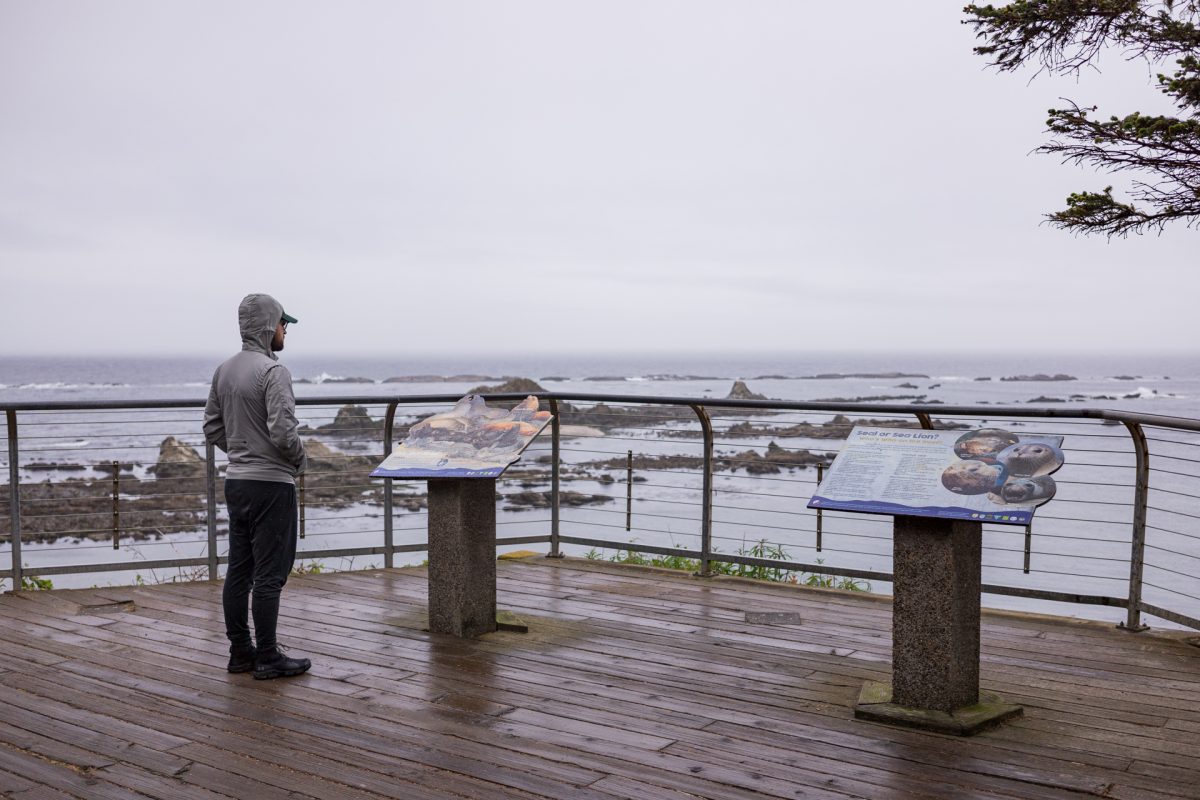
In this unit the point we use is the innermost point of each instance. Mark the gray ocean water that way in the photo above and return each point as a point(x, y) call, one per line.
point(1080, 541)
point(1150, 383)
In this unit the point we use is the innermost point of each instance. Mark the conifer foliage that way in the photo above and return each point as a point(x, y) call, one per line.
point(1062, 37)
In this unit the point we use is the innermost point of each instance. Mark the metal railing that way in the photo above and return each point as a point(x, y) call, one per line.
point(707, 488)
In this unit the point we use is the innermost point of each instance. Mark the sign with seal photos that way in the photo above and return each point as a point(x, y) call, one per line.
point(470, 440)
point(987, 475)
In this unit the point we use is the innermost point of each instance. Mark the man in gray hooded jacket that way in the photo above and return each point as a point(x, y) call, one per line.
point(251, 415)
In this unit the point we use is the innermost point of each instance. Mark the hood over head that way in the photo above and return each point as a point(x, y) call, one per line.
point(258, 315)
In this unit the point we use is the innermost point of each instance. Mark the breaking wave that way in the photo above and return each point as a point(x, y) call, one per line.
point(59, 385)
point(1144, 393)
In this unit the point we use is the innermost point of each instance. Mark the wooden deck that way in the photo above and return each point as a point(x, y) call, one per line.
point(631, 683)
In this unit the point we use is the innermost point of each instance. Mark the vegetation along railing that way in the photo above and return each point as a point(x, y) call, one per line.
point(716, 485)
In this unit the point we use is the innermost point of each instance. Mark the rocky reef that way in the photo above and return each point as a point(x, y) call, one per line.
point(837, 428)
point(876, 398)
point(178, 461)
point(773, 460)
point(82, 508)
point(170, 495)
point(829, 376)
point(440, 379)
point(529, 500)
point(1041, 376)
point(350, 420)
point(741, 391)
point(522, 385)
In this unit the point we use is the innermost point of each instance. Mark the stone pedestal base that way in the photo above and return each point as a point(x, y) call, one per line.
point(935, 614)
point(935, 632)
point(875, 704)
point(462, 556)
point(508, 621)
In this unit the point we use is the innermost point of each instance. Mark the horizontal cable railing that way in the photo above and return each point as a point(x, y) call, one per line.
point(131, 488)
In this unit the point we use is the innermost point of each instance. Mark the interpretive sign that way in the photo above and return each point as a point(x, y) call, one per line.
point(469, 441)
point(988, 475)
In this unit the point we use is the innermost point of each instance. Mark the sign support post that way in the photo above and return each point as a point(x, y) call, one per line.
point(460, 453)
point(939, 486)
point(935, 633)
point(462, 556)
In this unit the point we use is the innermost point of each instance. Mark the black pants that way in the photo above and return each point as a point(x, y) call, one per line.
point(262, 549)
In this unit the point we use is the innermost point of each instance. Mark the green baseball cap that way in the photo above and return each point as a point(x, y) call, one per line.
point(289, 319)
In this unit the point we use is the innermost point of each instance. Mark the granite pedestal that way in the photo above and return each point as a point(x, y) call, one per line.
point(935, 632)
point(462, 556)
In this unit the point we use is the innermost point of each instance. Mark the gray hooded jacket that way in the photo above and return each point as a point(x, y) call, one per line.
point(251, 411)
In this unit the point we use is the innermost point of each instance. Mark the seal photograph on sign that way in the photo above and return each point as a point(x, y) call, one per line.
point(1031, 459)
point(984, 444)
point(972, 476)
point(1025, 491)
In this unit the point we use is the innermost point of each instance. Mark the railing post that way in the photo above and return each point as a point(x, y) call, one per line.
point(706, 500)
point(555, 442)
point(389, 546)
point(820, 519)
point(14, 498)
point(1028, 545)
point(116, 505)
point(629, 491)
point(1133, 619)
point(302, 503)
point(210, 488)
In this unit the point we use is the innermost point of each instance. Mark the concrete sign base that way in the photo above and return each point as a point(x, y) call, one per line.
point(935, 632)
point(462, 556)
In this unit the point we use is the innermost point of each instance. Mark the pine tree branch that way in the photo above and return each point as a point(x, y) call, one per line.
point(1095, 212)
point(1063, 36)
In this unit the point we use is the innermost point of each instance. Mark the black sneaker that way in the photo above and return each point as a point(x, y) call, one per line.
point(241, 659)
point(274, 664)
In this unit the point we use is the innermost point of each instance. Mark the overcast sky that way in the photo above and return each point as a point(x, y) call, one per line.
point(553, 176)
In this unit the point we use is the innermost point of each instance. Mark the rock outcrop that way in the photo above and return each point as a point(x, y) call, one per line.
point(177, 460)
point(439, 379)
point(1041, 376)
point(337, 480)
point(352, 420)
point(877, 398)
point(526, 501)
point(774, 460)
point(829, 376)
point(837, 428)
point(522, 385)
point(741, 391)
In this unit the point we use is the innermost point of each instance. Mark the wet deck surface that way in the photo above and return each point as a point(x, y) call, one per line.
point(629, 684)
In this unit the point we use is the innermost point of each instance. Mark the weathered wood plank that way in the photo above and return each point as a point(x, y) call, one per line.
point(630, 683)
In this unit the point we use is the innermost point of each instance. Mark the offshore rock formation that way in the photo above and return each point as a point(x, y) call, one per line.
point(440, 379)
point(837, 428)
point(177, 460)
point(878, 398)
point(338, 480)
point(175, 499)
point(80, 509)
point(774, 460)
point(1041, 376)
point(741, 391)
point(350, 420)
point(522, 385)
point(828, 376)
point(524, 501)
